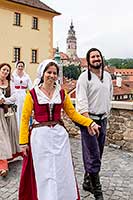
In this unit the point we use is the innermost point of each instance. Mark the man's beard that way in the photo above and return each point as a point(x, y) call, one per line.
point(96, 66)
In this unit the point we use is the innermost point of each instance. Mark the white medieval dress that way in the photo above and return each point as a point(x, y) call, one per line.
point(20, 85)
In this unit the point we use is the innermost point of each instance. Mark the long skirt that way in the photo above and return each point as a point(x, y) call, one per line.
point(9, 138)
point(13, 133)
point(5, 145)
point(51, 173)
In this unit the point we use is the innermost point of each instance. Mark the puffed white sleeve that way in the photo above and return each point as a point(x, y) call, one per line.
point(81, 95)
point(10, 100)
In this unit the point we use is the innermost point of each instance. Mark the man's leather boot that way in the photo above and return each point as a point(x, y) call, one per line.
point(87, 185)
point(95, 180)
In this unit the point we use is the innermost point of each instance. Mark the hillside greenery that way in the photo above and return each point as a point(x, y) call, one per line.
point(120, 63)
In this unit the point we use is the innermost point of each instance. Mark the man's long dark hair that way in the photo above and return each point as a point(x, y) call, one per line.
point(88, 62)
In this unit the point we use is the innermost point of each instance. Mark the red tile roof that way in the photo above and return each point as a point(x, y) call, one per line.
point(124, 71)
point(64, 56)
point(126, 88)
point(109, 69)
point(35, 4)
point(83, 62)
point(128, 83)
point(120, 71)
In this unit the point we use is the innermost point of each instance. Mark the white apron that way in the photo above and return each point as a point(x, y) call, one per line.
point(52, 158)
point(20, 96)
point(53, 164)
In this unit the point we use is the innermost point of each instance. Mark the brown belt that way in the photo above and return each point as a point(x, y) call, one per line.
point(48, 123)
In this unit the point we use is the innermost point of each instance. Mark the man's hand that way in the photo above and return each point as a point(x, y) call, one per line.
point(93, 129)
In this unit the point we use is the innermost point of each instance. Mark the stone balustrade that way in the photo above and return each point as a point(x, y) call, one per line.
point(119, 129)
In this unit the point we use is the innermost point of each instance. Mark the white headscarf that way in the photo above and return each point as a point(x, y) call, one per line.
point(45, 63)
point(39, 70)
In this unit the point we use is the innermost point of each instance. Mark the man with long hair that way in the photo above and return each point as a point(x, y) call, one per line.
point(93, 99)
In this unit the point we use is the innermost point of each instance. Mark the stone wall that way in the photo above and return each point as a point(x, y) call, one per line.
point(120, 126)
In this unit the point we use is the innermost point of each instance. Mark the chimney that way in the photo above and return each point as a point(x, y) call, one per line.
point(118, 80)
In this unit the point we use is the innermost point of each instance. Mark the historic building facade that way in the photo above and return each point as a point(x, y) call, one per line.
point(26, 32)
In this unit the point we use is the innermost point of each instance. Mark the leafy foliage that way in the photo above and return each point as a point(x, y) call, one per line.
point(72, 72)
point(120, 63)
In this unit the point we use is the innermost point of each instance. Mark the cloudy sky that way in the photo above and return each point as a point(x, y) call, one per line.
point(105, 24)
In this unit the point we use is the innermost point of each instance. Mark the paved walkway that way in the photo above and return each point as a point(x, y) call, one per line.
point(116, 175)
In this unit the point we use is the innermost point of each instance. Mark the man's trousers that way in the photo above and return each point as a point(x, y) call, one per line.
point(92, 147)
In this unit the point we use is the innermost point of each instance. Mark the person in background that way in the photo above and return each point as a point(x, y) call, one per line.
point(93, 99)
point(9, 137)
point(52, 175)
point(21, 82)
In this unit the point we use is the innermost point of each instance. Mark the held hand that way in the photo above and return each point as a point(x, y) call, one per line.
point(93, 129)
point(24, 149)
point(2, 101)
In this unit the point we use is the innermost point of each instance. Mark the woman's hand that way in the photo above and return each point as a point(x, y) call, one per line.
point(25, 149)
point(93, 129)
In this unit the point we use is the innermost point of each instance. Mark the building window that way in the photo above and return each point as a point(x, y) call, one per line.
point(34, 56)
point(17, 19)
point(16, 54)
point(35, 23)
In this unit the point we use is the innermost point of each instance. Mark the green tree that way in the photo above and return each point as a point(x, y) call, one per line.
point(72, 71)
point(121, 63)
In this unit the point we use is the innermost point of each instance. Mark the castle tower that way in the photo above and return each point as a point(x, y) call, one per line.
point(71, 43)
